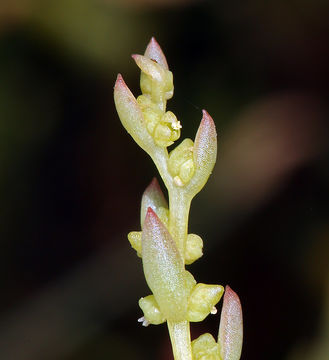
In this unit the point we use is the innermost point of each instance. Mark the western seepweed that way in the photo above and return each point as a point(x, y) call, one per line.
point(164, 243)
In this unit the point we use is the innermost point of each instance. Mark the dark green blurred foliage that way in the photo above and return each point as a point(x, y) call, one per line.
point(67, 201)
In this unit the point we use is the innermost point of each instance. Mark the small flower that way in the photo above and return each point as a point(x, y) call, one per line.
point(205, 348)
point(152, 313)
point(203, 300)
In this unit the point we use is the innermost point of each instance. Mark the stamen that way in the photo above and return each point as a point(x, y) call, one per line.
point(213, 311)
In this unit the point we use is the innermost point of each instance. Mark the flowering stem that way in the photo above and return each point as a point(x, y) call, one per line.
point(164, 243)
point(180, 339)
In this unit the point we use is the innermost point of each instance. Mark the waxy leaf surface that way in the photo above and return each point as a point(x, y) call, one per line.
point(131, 115)
point(231, 327)
point(153, 197)
point(164, 269)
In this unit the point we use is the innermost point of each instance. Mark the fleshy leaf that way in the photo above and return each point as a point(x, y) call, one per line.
point(230, 332)
point(154, 52)
point(150, 68)
point(204, 152)
point(153, 197)
point(131, 115)
point(164, 268)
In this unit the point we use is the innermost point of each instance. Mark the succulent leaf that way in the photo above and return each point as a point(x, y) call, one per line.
point(154, 52)
point(149, 67)
point(204, 152)
point(164, 268)
point(154, 198)
point(131, 115)
point(231, 326)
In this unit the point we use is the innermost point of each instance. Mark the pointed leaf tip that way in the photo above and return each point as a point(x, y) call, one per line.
point(231, 326)
point(151, 216)
point(119, 81)
point(207, 124)
point(154, 198)
point(154, 52)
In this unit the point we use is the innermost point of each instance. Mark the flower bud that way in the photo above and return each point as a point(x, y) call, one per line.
point(230, 332)
point(205, 348)
point(202, 301)
point(193, 248)
point(150, 307)
point(180, 163)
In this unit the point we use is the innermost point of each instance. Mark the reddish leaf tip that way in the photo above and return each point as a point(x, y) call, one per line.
point(154, 52)
point(154, 184)
point(207, 118)
point(150, 214)
point(231, 295)
point(119, 81)
point(153, 41)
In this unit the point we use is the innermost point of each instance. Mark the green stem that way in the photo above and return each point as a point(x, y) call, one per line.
point(160, 159)
point(180, 340)
point(179, 208)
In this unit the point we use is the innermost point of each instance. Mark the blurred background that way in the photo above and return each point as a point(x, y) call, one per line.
point(71, 178)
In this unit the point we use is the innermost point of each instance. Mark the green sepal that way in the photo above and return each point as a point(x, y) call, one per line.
point(193, 248)
point(205, 348)
point(151, 310)
point(135, 239)
point(202, 301)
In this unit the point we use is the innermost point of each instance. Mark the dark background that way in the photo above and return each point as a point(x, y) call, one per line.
point(71, 178)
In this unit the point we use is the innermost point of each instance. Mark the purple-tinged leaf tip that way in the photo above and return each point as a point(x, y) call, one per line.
point(154, 198)
point(154, 52)
point(230, 332)
point(205, 146)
